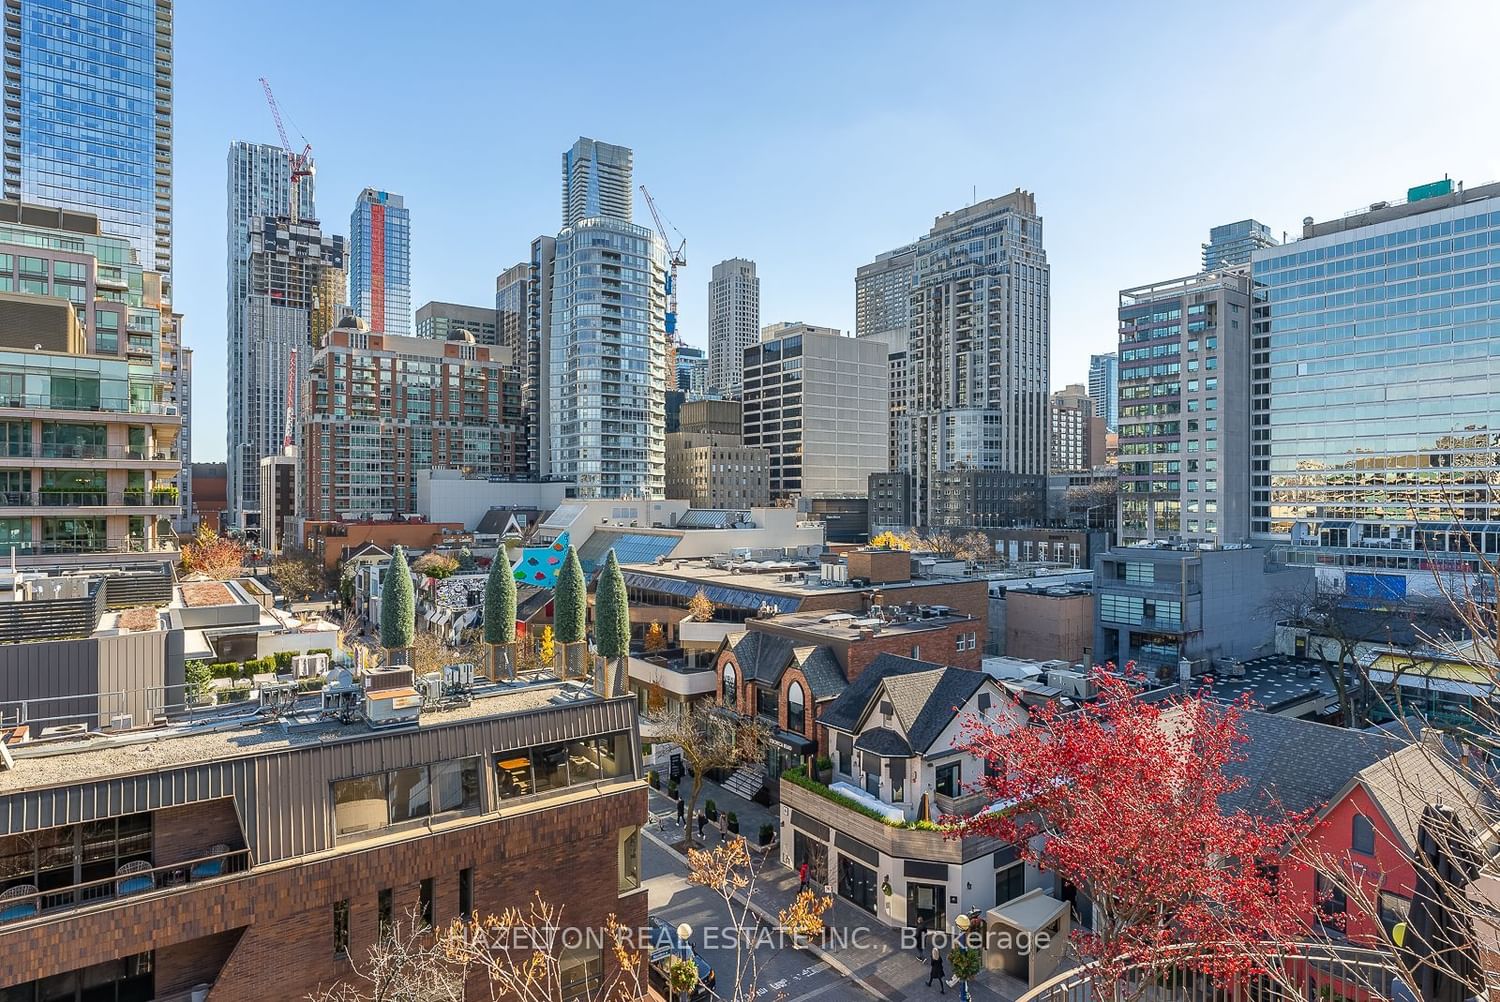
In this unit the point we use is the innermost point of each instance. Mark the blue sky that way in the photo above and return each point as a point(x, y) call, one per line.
point(811, 136)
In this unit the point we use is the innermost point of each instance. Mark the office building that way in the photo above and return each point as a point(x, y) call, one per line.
point(882, 310)
point(596, 182)
point(692, 370)
point(1104, 388)
point(259, 186)
point(541, 269)
point(285, 266)
point(380, 261)
point(1077, 435)
point(819, 403)
point(1184, 409)
point(438, 320)
point(606, 352)
point(985, 499)
point(713, 417)
point(1373, 406)
point(516, 320)
point(258, 862)
point(412, 404)
point(1230, 245)
point(93, 424)
point(88, 117)
point(733, 323)
point(278, 499)
point(717, 471)
point(979, 349)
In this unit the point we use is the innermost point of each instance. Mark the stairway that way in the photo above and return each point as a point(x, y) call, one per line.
point(749, 782)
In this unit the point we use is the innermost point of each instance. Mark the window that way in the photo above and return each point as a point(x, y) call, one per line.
point(765, 701)
point(425, 895)
point(729, 682)
point(1394, 909)
point(384, 906)
point(844, 753)
point(466, 892)
point(630, 859)
point(948, 779)
point(796, 709)
point(549, 767)
point(580, 973)
point(341, 928)
point(1010, 883)
point(368, 803)
point(1362, 838)
point(1332, 904)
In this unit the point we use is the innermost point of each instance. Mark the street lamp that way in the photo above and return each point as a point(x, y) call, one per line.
point(963, 923)
point(685, 934)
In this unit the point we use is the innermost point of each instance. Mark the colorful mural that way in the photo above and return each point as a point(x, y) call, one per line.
point(539, 565)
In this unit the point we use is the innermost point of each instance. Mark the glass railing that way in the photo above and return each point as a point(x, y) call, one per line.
point(88, 499)
point(63, 450)
point(109, 405)
point(132, 880)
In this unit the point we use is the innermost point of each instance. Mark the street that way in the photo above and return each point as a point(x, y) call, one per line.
point(782, 974)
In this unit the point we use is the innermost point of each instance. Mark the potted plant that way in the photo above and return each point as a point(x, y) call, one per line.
point(655, 778)
point(965, 963)
point(824, 767)
point(672, 789)
point(734, 822)
point(767, 833)
point(711, 809)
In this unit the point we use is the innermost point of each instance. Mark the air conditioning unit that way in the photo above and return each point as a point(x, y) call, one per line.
point(121, 722)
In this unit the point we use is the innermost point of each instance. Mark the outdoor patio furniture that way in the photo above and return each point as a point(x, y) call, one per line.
point(142, 880)
point(211, 867)
point(18, 910)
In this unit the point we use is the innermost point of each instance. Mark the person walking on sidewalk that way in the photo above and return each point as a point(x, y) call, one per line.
point(682, 813)
point(802, 877)
point(921, 940)
point(937, 971)
point(723, 826)
point(702, 823)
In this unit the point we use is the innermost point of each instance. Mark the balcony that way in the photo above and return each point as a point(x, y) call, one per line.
point(1296, 971)
point(43, 502)
point(24, 902)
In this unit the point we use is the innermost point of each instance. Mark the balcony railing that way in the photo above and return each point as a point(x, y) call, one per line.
point(113, 405)
point(87, 499)
point(33, 904)
point(1314, 972)
point(53, 450)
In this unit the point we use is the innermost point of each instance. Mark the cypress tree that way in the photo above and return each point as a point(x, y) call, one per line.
point(570, 606)
point(398, 605)
point(500, 612)
point(612, 619)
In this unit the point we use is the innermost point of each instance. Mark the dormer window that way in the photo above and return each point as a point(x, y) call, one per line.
point(886, 711)
point(984, 702)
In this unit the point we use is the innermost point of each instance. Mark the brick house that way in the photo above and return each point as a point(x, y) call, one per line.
point(784, 669)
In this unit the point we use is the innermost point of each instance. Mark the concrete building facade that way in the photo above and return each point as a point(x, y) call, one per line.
point(1074, 430)
point(717, 471)
point(412, 404)
point(380, 261)
point(1185, 409)
point(733, 323)
point(712, 417)
point(437, 320)
point(979, 353)
point(882, 310)
point(819, 403)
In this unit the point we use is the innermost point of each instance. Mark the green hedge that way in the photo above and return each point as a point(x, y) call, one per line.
point(798, 777)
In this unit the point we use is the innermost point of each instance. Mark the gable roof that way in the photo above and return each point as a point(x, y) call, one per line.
point(1292, 766)
point(884, 741)
point(924, 696)
point(1404, 783)
point(846, 712)
point(762, 657)
point(824, 676)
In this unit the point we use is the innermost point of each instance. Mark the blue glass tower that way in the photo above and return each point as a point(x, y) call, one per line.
point(90, 126)
point(380, 261)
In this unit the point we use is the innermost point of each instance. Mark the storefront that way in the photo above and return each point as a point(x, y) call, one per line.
point(784, 750)
point(858, 881)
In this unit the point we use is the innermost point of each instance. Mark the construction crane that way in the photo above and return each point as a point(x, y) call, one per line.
point(678, 259)
point(287, 448)
point(302, 163)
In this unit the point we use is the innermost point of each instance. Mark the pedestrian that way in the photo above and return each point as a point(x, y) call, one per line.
point(723, 826)
point(921, 940)
point(802, 877)
point(682, 814)
point(702, 823)
point(937, 971)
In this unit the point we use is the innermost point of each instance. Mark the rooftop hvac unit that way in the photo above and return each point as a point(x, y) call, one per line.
point(309, 665)
point(341, 695)
point(458, 677)
point(121, 722)
point(395, 706)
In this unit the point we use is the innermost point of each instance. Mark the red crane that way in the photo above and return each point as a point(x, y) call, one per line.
point(302, 163)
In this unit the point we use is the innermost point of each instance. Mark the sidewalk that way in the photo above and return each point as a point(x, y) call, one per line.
point(874, 958)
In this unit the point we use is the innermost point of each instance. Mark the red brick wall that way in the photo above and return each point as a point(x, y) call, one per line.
point(743, 702)
point(567, 854)
point(934, 645)
point(180, 834)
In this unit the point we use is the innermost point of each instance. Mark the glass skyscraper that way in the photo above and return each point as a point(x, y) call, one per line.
point(596, 182)
point(88, 115)
point(1376, 389)
point(1104, 388)
point(380, 261)
point(1232, 244)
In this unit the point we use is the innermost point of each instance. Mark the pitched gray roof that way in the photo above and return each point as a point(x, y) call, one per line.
point(762, 656)
point(884, 741)
point(824, 676)
point(845, 712)
point(1293, 766)
point(1404, 783)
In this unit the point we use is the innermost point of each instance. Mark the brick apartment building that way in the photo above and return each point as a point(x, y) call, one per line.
point(381, 407)
point(256, 861)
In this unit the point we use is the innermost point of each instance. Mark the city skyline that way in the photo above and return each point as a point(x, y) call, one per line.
point(1114, 220)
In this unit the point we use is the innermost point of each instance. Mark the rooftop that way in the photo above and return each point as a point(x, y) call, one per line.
point(847, 626)
point(781, 577)
point(245, 731)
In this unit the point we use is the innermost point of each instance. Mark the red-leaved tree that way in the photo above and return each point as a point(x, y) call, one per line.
point(1127, 800)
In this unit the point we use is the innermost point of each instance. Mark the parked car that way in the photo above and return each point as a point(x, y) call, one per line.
point(666, 946)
